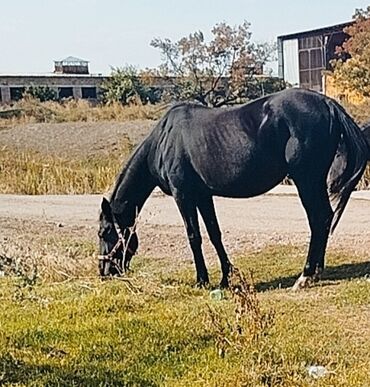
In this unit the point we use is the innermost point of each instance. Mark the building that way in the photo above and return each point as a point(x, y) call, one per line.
point(303, 56)
point(70, 79)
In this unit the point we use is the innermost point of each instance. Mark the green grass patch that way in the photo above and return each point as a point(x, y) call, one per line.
point(153, 328)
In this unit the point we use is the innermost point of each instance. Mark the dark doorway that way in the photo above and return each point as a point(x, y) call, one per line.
point(16, 93)
point(88, 92)
point(65, 92)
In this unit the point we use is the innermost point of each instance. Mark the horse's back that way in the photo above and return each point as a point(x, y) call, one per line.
point(242, 151)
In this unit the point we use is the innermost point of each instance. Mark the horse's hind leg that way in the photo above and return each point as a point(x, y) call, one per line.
point(207, 210)
point(315, 200)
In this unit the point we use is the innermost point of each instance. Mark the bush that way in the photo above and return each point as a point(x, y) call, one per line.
point(42, 93)
point(125, 86)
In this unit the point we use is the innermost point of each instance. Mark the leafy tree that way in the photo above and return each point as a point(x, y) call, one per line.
point(353, 74)
point(217, 72)
point(43, 93)
point(125, 85)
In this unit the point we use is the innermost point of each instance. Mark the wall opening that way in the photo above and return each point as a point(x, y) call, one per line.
point(16, 93)
point(65, 92)
point(89, 92)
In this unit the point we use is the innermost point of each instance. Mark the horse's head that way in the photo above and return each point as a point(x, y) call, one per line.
point(116, 248)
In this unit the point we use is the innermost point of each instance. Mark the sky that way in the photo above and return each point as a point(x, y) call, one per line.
point(34, 33)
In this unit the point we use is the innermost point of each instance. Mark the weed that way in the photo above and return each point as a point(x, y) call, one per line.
point(249, 322)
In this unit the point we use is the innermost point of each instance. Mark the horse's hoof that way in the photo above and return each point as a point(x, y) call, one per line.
point(202, 284)
point(302, 283)
point(224, 284)
point(317, 276)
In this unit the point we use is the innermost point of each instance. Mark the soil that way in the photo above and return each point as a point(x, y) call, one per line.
point(74, 138)
point(247, 224)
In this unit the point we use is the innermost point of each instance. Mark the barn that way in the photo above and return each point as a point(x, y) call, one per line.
point(303, 56)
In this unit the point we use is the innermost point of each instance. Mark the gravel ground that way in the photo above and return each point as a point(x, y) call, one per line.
point(75, 138)
point(247, 224)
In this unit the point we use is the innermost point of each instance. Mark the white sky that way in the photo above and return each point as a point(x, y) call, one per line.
point(33, 33)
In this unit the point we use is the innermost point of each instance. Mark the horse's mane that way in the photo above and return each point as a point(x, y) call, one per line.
point(126, 168)
point(366, 126)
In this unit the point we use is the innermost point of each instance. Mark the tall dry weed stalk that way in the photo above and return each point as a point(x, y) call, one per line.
point(248, 323)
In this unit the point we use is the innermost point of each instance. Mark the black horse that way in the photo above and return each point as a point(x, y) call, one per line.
point(195, 153)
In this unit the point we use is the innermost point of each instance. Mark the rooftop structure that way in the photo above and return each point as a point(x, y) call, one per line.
point(71, 65)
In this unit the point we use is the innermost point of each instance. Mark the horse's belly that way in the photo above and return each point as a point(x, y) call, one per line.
point(244, 182)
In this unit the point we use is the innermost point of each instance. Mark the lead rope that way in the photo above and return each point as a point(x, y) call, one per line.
point(121, 241)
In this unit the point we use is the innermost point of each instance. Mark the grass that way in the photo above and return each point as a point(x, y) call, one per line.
point(364, 183)
point(29, 172)
point(155, 329)
point(32, 173)
point(31, 110)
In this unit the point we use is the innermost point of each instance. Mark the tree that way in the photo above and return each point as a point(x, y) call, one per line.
point(125, 85)
point(352, 68)
point(214, 73)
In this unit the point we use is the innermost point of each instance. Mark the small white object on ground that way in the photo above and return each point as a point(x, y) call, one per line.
point(317, 371)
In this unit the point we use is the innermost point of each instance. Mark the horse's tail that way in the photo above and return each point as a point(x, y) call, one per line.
point(356, 150)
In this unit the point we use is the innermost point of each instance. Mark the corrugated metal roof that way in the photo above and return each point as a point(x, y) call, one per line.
point(317, 31)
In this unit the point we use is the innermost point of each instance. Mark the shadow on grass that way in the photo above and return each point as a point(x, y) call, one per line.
point(15, 371)
point(331, 273)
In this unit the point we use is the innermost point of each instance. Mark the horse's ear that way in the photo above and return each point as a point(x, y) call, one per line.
point(105, 208)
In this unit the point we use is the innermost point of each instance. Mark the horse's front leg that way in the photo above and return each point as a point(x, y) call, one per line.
point(189, 214)
point(207, 210)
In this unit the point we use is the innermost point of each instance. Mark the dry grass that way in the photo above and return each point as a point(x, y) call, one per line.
point(33, 173)
point(31, 110)
point(360, 113)
point(365, 180)
point(247, 325)
point(28, 172)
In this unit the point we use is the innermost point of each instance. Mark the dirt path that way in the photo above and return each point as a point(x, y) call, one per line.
point(274, 218)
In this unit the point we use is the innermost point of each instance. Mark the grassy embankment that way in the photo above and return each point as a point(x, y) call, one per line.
point(32, 173)
point(28, 172)
point(154, 329)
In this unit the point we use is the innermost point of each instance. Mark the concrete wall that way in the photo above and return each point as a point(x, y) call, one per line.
point(52, 81)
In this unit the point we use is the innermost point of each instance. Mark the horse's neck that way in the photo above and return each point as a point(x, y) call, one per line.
point(133, 187)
